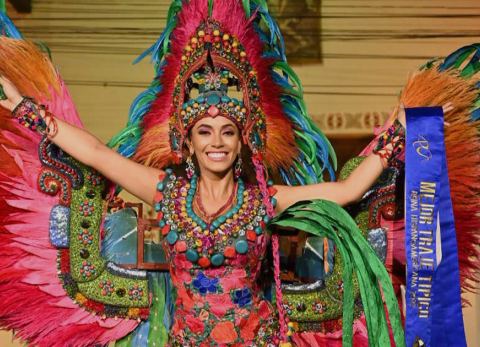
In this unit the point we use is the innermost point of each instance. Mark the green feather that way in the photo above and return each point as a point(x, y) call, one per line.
point(158, 334)
point(210, 7)
point(285, 68)
point(327, 219)
point(246, 8)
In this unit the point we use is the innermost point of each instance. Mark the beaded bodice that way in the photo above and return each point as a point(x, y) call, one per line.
point(215, 267)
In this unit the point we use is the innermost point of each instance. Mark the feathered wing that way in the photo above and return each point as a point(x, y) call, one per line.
point(35, 303)
point(454, 79)
point(380, 213)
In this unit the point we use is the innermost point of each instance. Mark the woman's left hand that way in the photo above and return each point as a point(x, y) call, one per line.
point(402, 118)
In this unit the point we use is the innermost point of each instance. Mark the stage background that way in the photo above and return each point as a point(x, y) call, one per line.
point(355, 56)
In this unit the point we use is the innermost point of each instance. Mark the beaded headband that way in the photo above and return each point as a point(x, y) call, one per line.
point(213, 61)
point(213, 99)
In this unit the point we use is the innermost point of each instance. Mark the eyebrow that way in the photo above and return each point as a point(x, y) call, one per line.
point(210, 127)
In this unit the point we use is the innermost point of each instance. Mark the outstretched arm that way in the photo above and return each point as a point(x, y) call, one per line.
point(342, 192)
point(137, 179)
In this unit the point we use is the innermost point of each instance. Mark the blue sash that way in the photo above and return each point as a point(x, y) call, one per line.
point(434, 311)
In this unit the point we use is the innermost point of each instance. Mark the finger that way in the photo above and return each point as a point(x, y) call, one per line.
point(447, 124)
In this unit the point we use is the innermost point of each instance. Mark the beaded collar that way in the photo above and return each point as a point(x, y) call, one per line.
point(208, 244)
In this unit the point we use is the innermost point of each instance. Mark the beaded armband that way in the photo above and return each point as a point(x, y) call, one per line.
point(391, 144)
point(28, 114)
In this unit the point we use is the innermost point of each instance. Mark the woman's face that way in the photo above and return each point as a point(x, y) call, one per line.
point(216, 143)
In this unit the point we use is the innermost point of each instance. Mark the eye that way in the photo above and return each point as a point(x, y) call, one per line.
point(203, 132)
point(229, 133)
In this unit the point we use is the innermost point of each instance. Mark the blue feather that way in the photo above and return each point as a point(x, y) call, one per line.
point(7, 28)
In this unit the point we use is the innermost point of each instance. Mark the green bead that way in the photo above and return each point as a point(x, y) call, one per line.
point(274, 201)
point(241, 246)
point(160, 186)
point(217, 259)
point(172, 237)
point(191, 255)
point(225, 99)
point(213, 99)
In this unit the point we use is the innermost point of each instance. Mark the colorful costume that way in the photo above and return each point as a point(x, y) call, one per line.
point(222, 303)
point(208, 50)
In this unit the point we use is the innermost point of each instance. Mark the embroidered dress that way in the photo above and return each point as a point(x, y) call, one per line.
point(215, 267)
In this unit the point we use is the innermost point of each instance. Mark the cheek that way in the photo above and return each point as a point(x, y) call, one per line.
point(198, 142)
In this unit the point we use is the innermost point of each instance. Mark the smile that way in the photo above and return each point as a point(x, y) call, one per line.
point(217, 155)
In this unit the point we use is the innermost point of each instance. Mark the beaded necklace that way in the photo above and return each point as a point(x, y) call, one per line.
point(208, 244)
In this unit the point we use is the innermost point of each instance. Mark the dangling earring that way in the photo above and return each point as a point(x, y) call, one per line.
point(237, 172)
point(190, 170)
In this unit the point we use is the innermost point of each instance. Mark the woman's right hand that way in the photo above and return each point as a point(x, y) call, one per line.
point(11, 92)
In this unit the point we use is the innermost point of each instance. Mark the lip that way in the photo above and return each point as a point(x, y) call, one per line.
point(217, 156)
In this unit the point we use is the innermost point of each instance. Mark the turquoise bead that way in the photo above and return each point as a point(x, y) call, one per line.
point(266, 219)
point(213, 99)
point(241, 246)
point(158, 206)
point(201, 99)
point(172, 237)
point(217, 259)
point(274, 201)
point(169, 171)
point(160, 186)
point(258, 230)
point(191, 255)
point(161, 223)
point(225, 99)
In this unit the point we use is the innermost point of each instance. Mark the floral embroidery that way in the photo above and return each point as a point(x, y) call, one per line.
point(204, 284)
point(242, 297)
point(86, 208)
point(85, 236)
point(219, 304)
point(107, 287)
point(88, 269)
point(135, 292)
point(319, 307)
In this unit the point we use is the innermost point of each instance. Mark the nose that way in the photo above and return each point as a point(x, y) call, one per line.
point(217, 140)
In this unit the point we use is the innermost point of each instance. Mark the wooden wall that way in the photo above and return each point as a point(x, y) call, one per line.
point(369, 47)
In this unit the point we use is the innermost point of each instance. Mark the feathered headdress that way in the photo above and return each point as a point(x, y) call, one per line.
point(236, 42)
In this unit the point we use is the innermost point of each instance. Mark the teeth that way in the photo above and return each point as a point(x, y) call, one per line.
point(217, 155)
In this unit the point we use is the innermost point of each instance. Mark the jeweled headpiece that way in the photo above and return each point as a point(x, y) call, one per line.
point(213, 62)
point(226, 58)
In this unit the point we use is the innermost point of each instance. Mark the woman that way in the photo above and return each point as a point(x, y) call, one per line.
point(213, 221)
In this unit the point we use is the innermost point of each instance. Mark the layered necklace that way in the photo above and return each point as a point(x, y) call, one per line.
point(214, 240)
